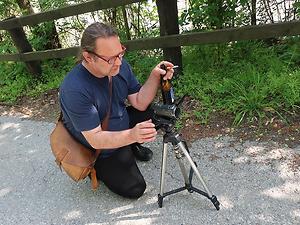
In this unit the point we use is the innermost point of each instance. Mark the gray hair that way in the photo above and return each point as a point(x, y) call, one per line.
point(90, 35)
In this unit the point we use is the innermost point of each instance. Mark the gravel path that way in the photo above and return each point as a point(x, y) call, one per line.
point(256, 183)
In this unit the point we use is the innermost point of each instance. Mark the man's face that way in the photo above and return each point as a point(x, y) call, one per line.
point(107, 57)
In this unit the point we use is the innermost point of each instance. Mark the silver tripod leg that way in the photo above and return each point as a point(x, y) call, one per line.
point(181, 165)
point(163, 168)
point(195, 169)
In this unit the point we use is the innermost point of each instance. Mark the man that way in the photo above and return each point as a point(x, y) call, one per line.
point(84, 100)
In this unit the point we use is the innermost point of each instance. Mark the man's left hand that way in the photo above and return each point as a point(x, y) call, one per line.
point(157, 71)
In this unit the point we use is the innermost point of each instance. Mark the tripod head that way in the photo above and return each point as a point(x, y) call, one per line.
point(165, 116)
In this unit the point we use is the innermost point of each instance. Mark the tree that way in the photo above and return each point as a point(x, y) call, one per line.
point(45, 32)
point(168, 19)
point(252, 10)
point(126, 23)
point(25, 6)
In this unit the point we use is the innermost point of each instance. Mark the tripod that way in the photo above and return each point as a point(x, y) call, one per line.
point(181, 150)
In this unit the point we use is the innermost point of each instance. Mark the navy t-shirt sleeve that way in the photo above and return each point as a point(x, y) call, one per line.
point(82, 113)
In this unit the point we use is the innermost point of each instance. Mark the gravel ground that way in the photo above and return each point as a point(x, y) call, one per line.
point(256, 183)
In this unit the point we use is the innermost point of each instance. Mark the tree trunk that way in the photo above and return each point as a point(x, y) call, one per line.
point(53, 38)
point(278, 11)
point(253, 12)
point(114, 17)
point(22, 44)
point(25, 5)
point(168, 20)
point(138, 19)
point(126, 23)
point(47, 30)
point(268, 10)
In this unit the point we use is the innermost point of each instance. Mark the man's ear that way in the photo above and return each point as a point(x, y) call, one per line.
point(87, 57)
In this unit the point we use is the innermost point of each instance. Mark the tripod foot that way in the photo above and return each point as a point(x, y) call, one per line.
point(160, 201)
point(215, 201)
point(189, 187)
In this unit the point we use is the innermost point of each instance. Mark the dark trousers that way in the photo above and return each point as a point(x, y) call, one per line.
point(120, 172)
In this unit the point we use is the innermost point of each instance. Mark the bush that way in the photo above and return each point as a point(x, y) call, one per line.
point(15, 81)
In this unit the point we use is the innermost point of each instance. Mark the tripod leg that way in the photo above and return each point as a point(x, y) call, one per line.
point(182, 168)
point(162, 174)
point(213, 198)
point(187, 155)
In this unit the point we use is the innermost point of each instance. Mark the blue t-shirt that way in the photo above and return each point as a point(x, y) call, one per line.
point(84, 101)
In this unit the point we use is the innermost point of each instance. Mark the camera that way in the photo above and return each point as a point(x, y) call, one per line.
point(171, 112)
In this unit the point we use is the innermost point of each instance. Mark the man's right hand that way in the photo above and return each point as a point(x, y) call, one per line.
point(144, 132)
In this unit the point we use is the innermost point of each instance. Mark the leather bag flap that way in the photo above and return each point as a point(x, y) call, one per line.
point(62, 143)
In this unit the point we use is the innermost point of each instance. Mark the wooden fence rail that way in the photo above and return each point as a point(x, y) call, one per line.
point(217, 36)
point(63, 12)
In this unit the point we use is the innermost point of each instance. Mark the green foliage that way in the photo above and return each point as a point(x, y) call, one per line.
point(142, 20)
point(8, 8)
point(143, 62)
point(39, 36)
point(296, 5)
point(208, 14)
point(15, 81)
point(53, 4)
point(289, 52)
point(249, 79)
point(52, 77)
point(6, 45)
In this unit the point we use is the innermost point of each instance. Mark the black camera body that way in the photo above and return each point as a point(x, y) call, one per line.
point(171, 112)
point(165, 116)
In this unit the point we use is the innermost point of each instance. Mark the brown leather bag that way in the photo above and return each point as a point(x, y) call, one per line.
point(75, 159)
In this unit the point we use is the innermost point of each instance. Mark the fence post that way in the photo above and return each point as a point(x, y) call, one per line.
point(168, 20)
point(22, 44)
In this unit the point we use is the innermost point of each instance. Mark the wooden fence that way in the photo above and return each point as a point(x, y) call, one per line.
point(63, 12)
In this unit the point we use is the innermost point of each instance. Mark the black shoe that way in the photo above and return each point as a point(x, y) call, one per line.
point(141, 153)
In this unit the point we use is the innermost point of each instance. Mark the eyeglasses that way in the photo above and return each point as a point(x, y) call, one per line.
point(112, 59)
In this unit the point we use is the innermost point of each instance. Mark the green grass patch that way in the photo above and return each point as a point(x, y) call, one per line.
point(247, 79)
point(15, 81)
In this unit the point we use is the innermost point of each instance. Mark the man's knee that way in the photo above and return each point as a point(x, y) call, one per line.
point(135, 191)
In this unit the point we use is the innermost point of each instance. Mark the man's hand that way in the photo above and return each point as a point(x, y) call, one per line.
point(157, 71)
point(144, 132)
point(145, 96)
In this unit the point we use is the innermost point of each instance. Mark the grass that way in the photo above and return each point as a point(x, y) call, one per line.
point(16, 82)
point(249, 79)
